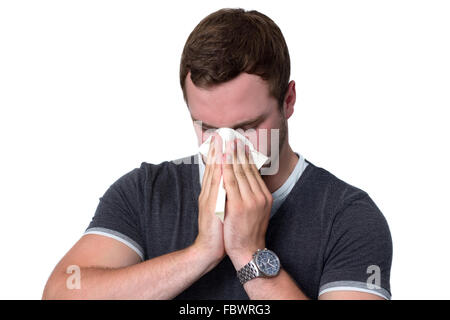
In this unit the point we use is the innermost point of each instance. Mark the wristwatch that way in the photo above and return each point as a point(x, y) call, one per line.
point(265, 264)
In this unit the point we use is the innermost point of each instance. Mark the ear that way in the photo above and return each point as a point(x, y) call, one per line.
point(289, 100)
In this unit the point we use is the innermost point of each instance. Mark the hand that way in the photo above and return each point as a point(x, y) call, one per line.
point(210, 228)
point(248, 205)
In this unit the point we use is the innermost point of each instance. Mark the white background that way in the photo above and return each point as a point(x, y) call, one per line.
point(89, 90)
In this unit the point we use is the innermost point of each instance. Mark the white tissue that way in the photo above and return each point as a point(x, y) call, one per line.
point(228, 134)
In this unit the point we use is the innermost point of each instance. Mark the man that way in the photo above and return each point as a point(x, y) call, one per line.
point(155, 235)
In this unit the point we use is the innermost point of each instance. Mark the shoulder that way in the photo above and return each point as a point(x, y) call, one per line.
point(150, 172)
point(165, 178)
point(347, 206)
point(330, 189)
point(169, 171)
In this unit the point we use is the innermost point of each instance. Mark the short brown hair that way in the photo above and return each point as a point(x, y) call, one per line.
point(231, 41)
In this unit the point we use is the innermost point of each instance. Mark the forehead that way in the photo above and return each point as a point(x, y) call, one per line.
point(246, 96)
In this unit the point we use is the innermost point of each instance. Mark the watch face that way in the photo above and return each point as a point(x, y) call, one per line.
point(268, 262)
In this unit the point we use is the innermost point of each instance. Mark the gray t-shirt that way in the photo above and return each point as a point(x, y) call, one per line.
point(328, 234)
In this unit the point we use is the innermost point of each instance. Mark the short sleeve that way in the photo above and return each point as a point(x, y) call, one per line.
point(118, 213)
point(358, 254)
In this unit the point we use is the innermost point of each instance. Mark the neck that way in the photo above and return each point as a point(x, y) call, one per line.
point(287, 162)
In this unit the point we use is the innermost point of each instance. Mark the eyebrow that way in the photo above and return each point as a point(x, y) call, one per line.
point(239, 125)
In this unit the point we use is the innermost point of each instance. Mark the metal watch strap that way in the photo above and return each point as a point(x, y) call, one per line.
point(248, 272)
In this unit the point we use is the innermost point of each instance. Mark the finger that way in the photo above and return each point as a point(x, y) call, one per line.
point(218, 148)
point(206, 182)
point(238, 166)
point(208, 158)
point(259, 179)
point(211, 150)
point(216, 174)
point(229, 179)
point(249, 169)
point(216, 167)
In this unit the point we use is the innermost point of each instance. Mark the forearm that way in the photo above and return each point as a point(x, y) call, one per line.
point(281, 287)
point(163, 277)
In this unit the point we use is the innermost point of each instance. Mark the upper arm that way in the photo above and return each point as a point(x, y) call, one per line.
point(94, 250)
point(114, 237)
point(119, 213)
point(90, 251)
point(358, 254)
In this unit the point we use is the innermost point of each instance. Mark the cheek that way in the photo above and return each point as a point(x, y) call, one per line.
point(265, 135)
point(260, 137)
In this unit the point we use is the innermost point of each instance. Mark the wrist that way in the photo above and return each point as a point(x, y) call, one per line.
point(209, 257)
point(264, 264)
point(241, 257)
